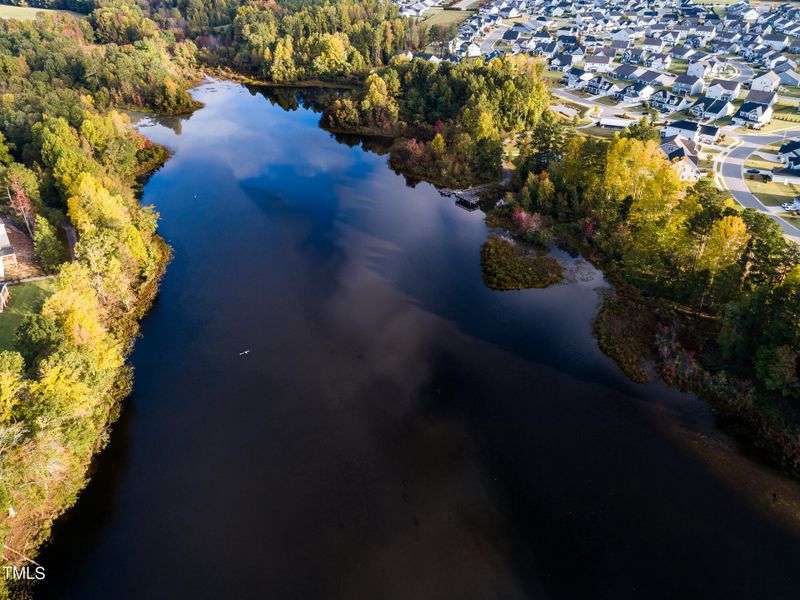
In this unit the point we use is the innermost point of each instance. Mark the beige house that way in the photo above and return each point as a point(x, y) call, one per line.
point(8, 256)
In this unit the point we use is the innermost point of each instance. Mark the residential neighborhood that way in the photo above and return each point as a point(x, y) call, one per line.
point(708, 73)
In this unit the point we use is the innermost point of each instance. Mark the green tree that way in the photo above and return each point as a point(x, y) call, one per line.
point(5, 151)
point(283, 67)
point(778, 369)
point(36, 337)
point(643, 130)
point(47, 246)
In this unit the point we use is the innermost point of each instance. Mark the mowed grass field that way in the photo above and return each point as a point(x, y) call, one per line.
point(773, 193)
point(25, 298)
point(25, 13)
point(438, 16)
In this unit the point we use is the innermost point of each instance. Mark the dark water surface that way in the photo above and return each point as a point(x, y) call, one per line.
point(397, 431)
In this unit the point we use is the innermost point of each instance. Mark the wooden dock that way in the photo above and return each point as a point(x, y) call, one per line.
point(466, 199)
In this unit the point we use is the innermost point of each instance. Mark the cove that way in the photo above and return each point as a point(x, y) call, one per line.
point(396, 430)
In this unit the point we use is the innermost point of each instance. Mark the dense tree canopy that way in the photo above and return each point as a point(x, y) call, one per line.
point(689, 244)
point(65, 156)
point(468, 107)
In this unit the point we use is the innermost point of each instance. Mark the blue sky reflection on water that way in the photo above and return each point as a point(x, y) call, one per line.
point(397, 429)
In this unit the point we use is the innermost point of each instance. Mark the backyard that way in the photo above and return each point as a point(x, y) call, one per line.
point(25, 299)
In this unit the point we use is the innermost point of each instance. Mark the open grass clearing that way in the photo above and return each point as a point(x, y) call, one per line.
point(602, 132)
point(678, 66)
point(25, 13)
point(607, 100)
point(790, 90)
point(24, 299)
point(439, 17)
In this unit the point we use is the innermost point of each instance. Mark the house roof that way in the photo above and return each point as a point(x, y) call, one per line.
point(710, 105)
point(685, 125)
point(790, 146)
point(649, 76)
point(694, 126)
point(687, 80)
point(771, 75)
point(625, 70)
point(749, 107)
point(760, 97)
point(678, 140)
point(597, 59)
point(725, 84)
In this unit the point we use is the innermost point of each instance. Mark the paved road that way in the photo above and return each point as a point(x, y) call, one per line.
point(488, 44)
point(746, 72)
point(732, 166)
point(605, 110)
point(732, 172)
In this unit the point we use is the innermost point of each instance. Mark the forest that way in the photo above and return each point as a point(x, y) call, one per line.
point(451, 119)
point(708, 290)
point(68, 157)
point(722, 284)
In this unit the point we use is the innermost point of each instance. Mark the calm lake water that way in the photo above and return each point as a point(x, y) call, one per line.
point(397, 430)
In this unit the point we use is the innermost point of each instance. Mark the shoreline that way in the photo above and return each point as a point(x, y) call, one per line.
point(120, 391)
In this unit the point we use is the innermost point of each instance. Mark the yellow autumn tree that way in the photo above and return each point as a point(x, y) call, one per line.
point(75, 305)
point(726, 242)
point(438, 146)
point(11, 383)
point(91, 205)
point(639, 172)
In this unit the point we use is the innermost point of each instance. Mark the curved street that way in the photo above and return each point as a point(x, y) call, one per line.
point(731, 163)
point(732, 174)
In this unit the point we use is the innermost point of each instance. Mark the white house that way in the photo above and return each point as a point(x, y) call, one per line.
point(597, 64)
point(697, 132)
point(709, 109)
point(688, 85)
point(753, 115)
point(768, 82)
point(723, 89)
point(703, 68)
point(776, 41)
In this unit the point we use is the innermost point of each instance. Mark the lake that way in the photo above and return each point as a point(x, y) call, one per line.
point(329, 404)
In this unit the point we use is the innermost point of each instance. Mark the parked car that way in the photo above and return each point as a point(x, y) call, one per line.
point(757, 175)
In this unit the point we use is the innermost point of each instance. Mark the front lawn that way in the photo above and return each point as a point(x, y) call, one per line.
point(773, 193)
point(754, 161)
